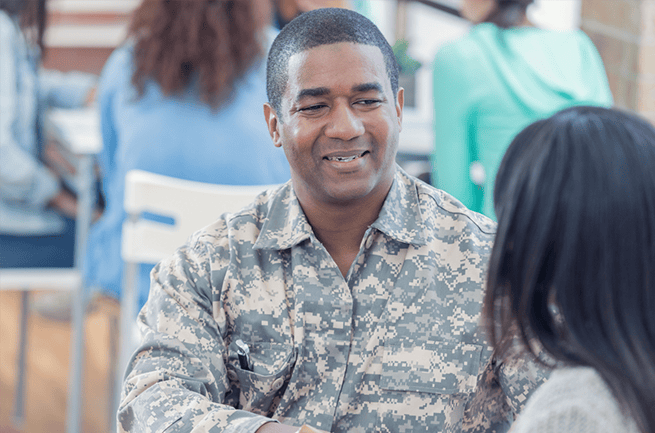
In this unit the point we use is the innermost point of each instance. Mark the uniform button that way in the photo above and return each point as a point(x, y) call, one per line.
point(277, 384)
point(232, 375)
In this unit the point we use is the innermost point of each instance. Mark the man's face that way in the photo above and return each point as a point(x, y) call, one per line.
point(340, 123)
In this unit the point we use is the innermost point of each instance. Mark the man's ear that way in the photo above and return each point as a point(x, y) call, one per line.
point(400, 103)
point(272, 122)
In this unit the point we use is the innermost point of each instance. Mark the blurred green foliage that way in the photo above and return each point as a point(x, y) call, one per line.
point(407, 64)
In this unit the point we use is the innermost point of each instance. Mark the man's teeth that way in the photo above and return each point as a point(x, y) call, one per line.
point(343, 159)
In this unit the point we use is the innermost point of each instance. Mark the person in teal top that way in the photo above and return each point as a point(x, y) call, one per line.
point(503, 75)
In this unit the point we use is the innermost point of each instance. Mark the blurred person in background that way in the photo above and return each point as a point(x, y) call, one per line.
point(503, 75)
point(573, 269)
point(286, 10)
point(182, 97)
point(37, 211)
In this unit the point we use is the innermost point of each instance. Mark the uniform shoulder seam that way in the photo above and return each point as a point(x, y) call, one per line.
point(434, 194)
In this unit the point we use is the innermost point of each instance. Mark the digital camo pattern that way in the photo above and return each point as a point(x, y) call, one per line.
point(394, 347)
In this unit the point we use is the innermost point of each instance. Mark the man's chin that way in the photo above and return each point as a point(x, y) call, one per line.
point(349, 192)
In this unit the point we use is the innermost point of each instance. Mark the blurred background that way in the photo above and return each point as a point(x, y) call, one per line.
point(82, 34)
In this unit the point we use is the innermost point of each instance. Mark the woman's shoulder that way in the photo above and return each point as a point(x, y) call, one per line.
point(117, 72)
point(573, 399)
point(120, 59)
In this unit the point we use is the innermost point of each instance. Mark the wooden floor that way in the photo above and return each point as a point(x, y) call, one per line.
point(47, 368)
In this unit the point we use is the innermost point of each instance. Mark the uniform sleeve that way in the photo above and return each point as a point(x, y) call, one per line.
point(503, 391)
point(22, 176)
point(177, 380)
point(519, 377)
point(452, 125)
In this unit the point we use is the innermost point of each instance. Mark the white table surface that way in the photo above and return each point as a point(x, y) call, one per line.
point(78, 130)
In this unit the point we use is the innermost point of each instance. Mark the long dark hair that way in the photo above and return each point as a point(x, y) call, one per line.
point(573, 264)
point(32, 17)
point(508, 13)
point(213, 40)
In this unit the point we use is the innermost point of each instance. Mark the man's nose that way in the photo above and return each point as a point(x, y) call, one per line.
point(344, 124)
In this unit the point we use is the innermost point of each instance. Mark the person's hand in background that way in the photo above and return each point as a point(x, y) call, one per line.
point(65, 203)
point(57, 161)
point(91, 96)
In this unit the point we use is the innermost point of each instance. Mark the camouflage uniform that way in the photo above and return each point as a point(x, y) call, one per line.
point(394, 347)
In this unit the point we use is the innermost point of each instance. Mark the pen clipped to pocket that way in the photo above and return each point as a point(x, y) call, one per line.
point(259, 371)
point(243, 352)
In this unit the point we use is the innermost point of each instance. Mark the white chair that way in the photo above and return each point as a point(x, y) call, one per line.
point(57, 279)
point(192, 205)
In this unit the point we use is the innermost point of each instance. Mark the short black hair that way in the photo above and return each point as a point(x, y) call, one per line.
point(322, 27)
point(573, 263)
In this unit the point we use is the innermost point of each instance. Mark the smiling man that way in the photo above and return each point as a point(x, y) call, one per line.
point(348, 299)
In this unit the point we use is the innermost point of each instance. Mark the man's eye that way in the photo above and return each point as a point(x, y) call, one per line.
point(368, 102)
point(311, 108)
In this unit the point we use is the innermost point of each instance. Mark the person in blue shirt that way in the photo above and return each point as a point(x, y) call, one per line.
point(37, 211)
point(183, 97)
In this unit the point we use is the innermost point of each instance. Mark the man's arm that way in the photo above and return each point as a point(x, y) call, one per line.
point(503, 390)
point(519, 377)
point(177, 379)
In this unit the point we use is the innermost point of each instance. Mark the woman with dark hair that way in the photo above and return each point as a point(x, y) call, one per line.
point(183, 98)
point(503, 75)
point(572, 270)
point(36, 211)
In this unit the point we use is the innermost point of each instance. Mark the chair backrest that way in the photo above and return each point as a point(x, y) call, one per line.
point(191, 205)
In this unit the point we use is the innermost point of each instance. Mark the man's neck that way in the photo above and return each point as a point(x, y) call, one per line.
point(341, 227)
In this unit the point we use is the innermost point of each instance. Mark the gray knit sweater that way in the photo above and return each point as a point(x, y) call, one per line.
point(575, 400)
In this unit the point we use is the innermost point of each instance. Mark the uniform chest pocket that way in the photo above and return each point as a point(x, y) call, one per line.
point(260, 390)
point(426, 386)
point(439, 367)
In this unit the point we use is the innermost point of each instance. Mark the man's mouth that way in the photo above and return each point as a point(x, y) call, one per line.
point(339, 158)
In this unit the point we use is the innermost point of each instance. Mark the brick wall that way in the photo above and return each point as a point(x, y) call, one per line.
point(81, 37)
point(624, 33)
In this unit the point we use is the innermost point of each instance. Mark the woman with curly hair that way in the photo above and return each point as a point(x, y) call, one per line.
point(503, 75)
point(572, 269)
point(183, 98)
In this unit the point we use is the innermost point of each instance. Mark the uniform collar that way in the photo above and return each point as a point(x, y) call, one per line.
point(400, 217)
point(285, 224)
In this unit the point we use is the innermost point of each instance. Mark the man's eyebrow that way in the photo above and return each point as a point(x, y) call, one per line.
point(313, 92)
point(368, 87)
